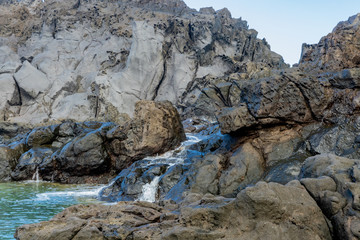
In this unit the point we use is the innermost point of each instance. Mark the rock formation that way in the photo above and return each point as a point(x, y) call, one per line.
point(337, 50)
point(92, 151)
point(293, 214)
point(276, 148)
point(85, 60)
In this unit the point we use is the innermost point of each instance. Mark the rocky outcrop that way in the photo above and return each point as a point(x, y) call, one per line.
point(8, 161)
point(333, 182)
point(83, 60)
point(93, 151)
point(336, 51)
point(155, 129)
point(270, 211)
point(292, 97)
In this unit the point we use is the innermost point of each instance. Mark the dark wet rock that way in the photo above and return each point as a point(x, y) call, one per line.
point(8, 160)
point(215, 141)
point(11, 131)
point(264, 211)
point(339, 139)
point(216, 94)
point(177, 167)
point(95, 151)
point(276, 98)
point(284, 171)
point(128, 185)
point(41, 136)
point(290, 97)
point(28, 163)
point(169, 179)
point(82, 156)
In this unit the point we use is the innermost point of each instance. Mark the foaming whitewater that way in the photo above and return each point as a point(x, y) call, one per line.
point(142, 179)
point(78, 192)
point(176, 156)
point(173, 157)
point(149, 190)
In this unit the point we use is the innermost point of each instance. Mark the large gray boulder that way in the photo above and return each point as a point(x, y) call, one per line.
point(8, 94)
point(155, 129)
point(246, 166)
point(31, 80)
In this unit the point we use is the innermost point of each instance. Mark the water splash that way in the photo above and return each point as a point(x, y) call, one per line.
point(149, 190)
point(36, 176)
point(88, 192)
point(176, 156)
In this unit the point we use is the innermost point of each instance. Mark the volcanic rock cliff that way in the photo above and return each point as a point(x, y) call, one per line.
point(91, 60)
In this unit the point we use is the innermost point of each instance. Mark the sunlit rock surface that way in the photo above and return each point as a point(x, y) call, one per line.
point(84, 60)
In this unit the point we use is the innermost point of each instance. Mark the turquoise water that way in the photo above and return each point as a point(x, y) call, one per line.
point(32, 202)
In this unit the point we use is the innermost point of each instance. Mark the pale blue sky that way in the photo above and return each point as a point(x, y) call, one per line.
point(286, 24)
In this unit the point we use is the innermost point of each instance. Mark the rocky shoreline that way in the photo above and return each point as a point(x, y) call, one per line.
point(233, 143)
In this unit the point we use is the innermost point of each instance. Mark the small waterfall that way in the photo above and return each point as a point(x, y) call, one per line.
point(149, 190)
point(36, 177)
point(176, 156)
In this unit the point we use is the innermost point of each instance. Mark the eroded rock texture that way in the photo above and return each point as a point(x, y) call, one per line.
point(92, 151)
point(337, 50)
point(84, 60)
point(265, 211)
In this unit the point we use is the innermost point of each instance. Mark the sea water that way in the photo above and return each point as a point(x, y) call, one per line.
point(36, 201)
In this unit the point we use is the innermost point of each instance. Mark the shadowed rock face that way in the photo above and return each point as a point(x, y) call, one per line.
point(85, 60)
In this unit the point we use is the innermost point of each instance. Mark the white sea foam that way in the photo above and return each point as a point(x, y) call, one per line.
point(76, 193)
point(149, 190)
